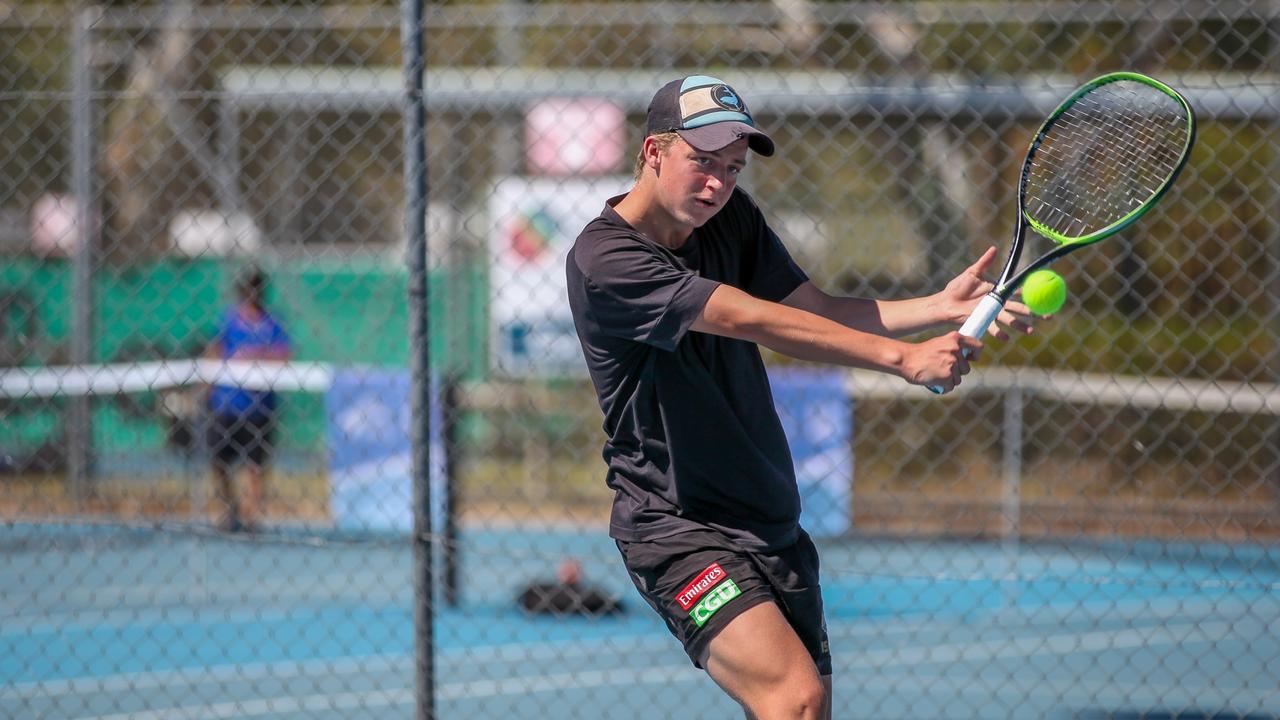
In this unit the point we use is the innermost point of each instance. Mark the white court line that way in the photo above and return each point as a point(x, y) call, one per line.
point(1032, 646)
point(83, 621)
point(348, 665)
point(1039, 698)
point(165, 678)
point(911, 656)
point(656, 642)
point(450, 691)
point(270, 706)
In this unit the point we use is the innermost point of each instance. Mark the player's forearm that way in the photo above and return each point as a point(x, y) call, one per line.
point(797, 333)
point(890, 318)
point(273, 352)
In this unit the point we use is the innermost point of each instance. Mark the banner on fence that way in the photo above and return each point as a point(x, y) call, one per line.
point(370, 453)
point(817, 415)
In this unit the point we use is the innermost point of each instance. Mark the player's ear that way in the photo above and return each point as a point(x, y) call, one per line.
point(652, 151)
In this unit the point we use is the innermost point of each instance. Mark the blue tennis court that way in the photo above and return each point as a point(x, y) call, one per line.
point(106, 622)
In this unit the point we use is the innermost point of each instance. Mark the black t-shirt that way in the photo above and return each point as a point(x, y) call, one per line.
point(693, 436)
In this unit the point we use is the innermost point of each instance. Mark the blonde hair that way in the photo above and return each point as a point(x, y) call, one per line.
point(664, 142)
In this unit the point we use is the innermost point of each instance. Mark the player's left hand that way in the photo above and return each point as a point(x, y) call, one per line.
point(962, 294)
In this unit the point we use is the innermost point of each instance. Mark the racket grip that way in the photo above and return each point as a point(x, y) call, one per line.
point(977, 324)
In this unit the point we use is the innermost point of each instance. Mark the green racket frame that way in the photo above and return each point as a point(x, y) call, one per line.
point(1009, 282)
point(989, 307)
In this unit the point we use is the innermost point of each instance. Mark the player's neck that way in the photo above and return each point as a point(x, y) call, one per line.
point(250, 311)
point(642, 211)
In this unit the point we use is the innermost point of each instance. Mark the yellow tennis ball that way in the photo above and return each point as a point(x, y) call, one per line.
point(1044, 291)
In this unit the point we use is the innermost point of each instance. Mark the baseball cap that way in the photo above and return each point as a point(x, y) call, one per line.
point(707, 113)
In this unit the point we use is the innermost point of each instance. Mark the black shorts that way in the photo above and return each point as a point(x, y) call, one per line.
point(234, 439)
point(699, 581)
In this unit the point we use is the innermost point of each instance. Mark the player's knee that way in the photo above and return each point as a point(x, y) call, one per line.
point(799, 697)
point(810, 699)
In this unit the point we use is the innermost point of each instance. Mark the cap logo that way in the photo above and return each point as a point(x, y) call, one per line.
point(708, 104)
point(725, 97)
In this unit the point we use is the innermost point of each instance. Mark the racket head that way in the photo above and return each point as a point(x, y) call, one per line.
point(1104, 157)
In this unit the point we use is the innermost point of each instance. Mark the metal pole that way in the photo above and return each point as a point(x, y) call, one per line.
point(229, 159)
point(1011, 509)
point(511, 51)
point(80, 417)
point(415, 207)
point(1012, 495)
point(449, 440)
point(1272, 288)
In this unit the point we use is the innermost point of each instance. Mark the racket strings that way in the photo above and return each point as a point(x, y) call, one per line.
point(1107, 154)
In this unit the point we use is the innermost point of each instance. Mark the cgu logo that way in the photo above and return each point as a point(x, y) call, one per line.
point(714, 600)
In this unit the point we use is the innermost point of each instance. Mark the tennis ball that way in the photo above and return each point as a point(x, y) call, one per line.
point(1044, 291)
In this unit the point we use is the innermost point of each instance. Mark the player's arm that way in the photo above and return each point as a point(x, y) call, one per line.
point(263, 353)
point(895, 318)
point(216, 346)
point(730, 312)
point(888, 318)
point(274, 351)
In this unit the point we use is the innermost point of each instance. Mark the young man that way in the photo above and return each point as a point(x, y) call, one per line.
point(242, 422)
point(672, 288)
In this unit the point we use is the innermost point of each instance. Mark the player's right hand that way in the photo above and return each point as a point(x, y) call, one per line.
point(940, 362)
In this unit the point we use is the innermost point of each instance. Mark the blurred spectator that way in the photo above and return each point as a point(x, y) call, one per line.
point(242, 420)
point(568, 595)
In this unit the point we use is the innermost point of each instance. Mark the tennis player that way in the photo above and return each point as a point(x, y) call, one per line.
point(672, 288)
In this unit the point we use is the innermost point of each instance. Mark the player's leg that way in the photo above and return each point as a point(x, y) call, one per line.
point(793, 576)
point(826, 700)
point(259, 436)
point(223, 456)
point(702, 583)
point(255, 490)
point(226, 511)
point(760, 661)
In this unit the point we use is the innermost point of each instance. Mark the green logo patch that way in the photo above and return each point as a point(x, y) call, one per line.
point(714, 600)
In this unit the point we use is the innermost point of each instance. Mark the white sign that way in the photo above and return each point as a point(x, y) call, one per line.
point(534, 222)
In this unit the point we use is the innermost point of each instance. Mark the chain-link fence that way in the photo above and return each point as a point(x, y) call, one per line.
point(1087, 529)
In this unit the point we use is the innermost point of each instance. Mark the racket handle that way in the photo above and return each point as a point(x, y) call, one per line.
point(977, 324)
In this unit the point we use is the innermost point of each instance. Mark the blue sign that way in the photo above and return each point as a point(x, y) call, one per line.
point(817, 416)
point(370, 454)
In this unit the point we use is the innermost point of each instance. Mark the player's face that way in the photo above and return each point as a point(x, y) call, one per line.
point(695, 184)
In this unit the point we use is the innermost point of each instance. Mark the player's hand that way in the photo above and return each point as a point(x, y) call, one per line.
point(962, 294)
point(940, 362)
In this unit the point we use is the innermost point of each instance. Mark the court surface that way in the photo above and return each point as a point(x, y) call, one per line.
point(105, 622)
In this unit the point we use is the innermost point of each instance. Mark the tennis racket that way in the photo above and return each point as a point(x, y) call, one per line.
point(1101, 160)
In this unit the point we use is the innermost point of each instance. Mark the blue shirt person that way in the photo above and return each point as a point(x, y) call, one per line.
point(242, 420)
point(247, 333)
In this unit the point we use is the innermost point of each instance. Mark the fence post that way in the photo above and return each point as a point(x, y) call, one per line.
point(80, 416)
point(415, 208)
point(1011, 494)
